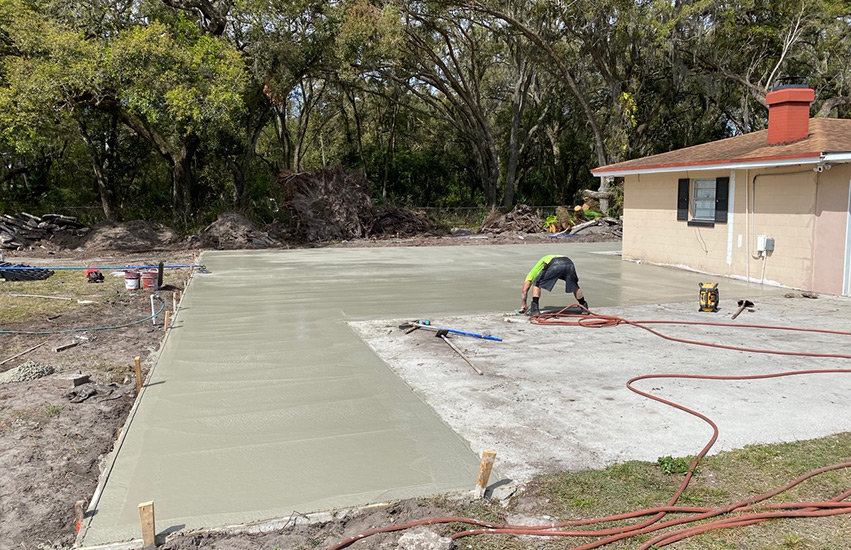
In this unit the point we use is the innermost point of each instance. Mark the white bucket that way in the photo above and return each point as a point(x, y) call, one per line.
point(131, 280)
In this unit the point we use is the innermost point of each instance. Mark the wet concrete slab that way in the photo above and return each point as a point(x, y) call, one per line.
point(264, 402)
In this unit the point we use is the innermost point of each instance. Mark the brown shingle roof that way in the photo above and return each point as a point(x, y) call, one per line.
point(826, 135)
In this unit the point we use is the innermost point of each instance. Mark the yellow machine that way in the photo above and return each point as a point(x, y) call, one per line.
point(708, 297)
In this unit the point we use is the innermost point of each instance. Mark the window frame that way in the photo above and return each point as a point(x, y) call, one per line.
point(686, 191)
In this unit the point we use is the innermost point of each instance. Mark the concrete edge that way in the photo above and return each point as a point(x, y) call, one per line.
point(110, 458)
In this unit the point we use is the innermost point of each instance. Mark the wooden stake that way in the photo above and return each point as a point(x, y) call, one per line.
point(488, 458)
point(149, 531)
point(138, 373)
point(79, 513)
point(167, 319)
point(174, 301)
point(3, 362)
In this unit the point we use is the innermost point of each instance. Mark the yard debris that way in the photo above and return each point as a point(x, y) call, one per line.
point(23, 230)
point(327, 204)
point(31, 370)
point(400, 222)
point(523, 219)
point(811, 295)
point(600, 225)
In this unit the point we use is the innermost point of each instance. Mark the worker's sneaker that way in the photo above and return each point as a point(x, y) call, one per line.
point(533, 310)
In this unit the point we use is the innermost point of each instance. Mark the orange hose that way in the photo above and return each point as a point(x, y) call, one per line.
point(745, 508)
point(596, 320)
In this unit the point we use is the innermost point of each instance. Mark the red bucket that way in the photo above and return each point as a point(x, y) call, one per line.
point(149, 279)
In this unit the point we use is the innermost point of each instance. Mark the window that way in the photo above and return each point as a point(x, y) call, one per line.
point(703, 202)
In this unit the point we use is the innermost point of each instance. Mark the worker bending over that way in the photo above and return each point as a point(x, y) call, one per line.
point(544, 275)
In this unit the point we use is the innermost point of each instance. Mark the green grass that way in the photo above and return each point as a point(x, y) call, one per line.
point(721, 480)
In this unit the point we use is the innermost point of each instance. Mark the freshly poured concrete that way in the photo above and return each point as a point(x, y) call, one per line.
point(264, 402)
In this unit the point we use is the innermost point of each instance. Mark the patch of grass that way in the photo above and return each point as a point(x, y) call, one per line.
point(722, 479)
point(52, 410)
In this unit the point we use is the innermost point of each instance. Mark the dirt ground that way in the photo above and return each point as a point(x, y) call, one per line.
point(52, 434)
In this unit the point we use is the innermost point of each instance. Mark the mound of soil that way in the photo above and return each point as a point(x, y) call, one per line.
point(130, 236)
point(232, 231)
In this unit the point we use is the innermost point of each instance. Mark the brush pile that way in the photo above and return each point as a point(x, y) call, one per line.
point(332, 204)
point(22, 230)
point(523, 219)
point(328, 204)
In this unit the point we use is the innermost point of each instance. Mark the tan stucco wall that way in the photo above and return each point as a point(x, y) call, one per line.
point(803, 211)
point(831, 220)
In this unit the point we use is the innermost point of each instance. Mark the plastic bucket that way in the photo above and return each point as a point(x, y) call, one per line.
point(131, 280)
point(149, 279)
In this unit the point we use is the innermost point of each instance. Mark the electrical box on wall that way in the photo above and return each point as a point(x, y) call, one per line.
point(760, 243)
point(769, 244)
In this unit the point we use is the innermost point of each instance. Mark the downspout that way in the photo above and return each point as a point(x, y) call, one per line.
point(747, 225)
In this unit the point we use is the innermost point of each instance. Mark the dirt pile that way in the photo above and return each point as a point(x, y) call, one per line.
point(327, 204)
point(522, 219)
point(132, 236)
point(233, 231)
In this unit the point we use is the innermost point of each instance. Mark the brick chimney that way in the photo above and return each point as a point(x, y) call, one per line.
point(788, 113)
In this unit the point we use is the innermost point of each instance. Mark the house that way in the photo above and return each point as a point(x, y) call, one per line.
point(772, 206)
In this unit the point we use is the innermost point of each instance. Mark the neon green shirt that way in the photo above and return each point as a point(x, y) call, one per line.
point(540, 266)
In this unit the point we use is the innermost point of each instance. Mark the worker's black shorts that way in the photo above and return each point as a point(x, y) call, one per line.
point(558, 268)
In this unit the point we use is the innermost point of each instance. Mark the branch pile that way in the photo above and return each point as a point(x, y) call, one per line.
point(328, 204)
point(400, 222)
point(522, 219)
point(22, 230)
point(607, 226)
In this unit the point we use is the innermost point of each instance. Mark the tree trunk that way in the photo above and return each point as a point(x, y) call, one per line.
point(181, 178)
point(104, 182)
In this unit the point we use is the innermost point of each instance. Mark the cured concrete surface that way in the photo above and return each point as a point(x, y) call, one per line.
point(264, 402)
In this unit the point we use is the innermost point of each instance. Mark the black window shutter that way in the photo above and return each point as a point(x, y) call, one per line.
point(682, 199)
point(722, 193)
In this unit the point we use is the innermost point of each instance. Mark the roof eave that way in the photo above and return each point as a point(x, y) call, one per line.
point(813, 158)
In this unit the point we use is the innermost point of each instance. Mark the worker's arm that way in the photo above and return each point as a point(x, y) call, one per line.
point(526, 286)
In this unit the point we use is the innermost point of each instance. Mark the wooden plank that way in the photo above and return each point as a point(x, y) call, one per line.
point(64, 347)
point(149, 530)
point(488, 458)
point(3, 362)
point(138, 361)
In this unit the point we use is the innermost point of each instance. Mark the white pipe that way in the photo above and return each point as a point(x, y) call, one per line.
point(762, 275)
point(748, 225)
point(153, 312)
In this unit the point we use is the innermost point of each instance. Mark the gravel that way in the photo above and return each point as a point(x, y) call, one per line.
point(31, 370)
